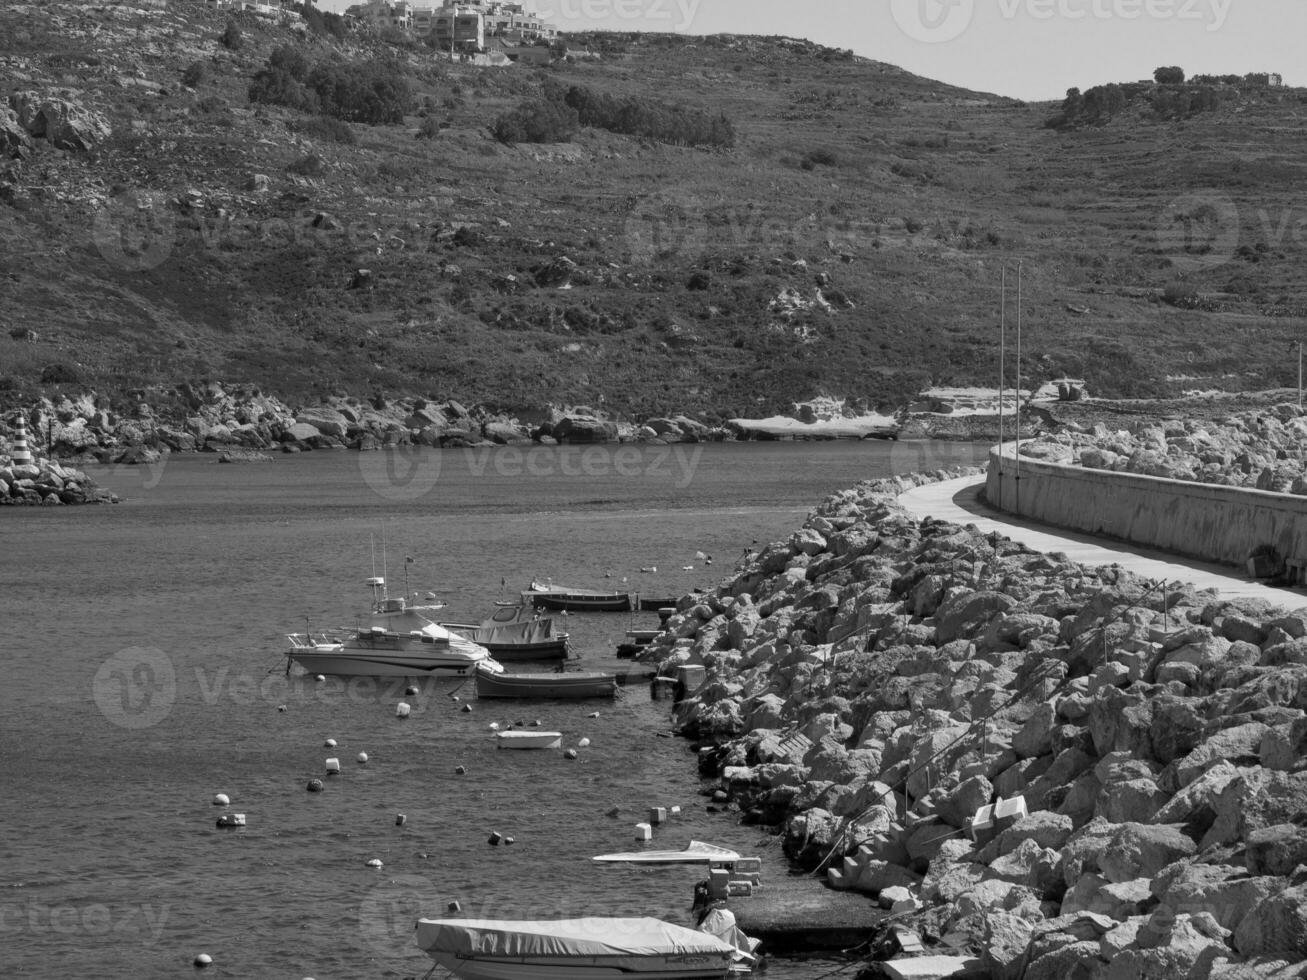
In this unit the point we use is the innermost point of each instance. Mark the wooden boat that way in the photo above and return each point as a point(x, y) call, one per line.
point(546, 596)
point(596, 948)
point(696, 852)
point(551, 684)
point(654, 603)
point(528, 740)
point(517, 633)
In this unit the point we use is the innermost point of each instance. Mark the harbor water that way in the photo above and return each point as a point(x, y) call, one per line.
point(145, 672)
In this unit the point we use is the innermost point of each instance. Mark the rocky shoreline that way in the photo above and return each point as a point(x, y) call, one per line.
point(874, 682)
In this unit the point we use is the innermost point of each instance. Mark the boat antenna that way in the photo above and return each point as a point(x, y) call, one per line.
point(407, 561)
point(385, 568)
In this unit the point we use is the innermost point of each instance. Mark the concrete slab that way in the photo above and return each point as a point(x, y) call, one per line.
point(958, 501)
point(799, 914)
point(930, 967)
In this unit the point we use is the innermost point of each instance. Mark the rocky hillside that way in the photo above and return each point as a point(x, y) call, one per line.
point(158, 227)
point(875, 682)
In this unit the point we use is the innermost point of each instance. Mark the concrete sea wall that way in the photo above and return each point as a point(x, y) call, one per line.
point(1214, 523)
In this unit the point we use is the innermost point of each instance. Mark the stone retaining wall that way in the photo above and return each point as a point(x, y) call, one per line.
point(1213, 523)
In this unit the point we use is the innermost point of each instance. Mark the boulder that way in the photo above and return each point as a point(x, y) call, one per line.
point(582, 429)
point(60, 120)
point(1137, 850)
point(15, 141)
point(1277, 927)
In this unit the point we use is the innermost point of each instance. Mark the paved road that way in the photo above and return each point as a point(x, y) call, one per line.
point(958, 501)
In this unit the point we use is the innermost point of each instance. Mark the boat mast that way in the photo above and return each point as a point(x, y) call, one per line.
point(1002, 368)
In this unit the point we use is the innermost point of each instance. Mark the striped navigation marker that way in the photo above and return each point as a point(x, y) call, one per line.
point(22, 456)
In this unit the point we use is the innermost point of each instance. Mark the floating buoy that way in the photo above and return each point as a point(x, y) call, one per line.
point(375, 863)
point(584, 743)
point(460, 770)
point(320, 678)
point(613, 811)
point(649, 568)
point(719, 796)
point(643, 832)
point(411, 690)
point(657, 815)
point(330, 743)
point(203, 960)
point(232, 820)
point(467, 709)
point(495, 839)
point(593, 714)
point(315, 786)
point(455, 697)
point(222, 799)
point(570, 754)
point(453, 907)
point(536, 723)
point(493, 726)
point(510, 841)
point(281, 707)
point(333, 767)
point(674, 811)
point(363, 757)
point(402, 710)
point(400, 819)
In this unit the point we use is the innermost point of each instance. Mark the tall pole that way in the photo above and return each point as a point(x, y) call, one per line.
point(1017, 477)
point(1300, 374)
point(1002, 369)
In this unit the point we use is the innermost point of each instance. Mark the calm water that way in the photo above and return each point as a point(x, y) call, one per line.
point(144, 673)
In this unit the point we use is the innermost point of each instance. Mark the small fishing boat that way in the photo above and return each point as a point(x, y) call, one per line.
point(546, 596)
point(696, 852)
point(517, 633)
point(654, 603)
point(596, 948)
point(549, 684)
point(528, 740)
point(398, 640)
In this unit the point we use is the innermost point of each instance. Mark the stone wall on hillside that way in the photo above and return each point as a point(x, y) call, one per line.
point(1214, 523)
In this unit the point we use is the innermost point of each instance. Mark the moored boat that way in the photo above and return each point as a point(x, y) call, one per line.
point(654, 603)
point(528, 740)
point(696, 852)
point(546, 596)
point(517, 633)
point(596, 948)
point(398, 640)
point(573, 685)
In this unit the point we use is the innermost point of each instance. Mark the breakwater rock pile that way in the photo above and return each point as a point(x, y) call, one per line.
point(29, 478)
point(1263, 450)
point(238, 420)
point(1064, 772)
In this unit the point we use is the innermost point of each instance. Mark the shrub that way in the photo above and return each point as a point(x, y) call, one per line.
point(1182, 295)
point(1169, 76)
point(195, 74)
point(232, 39)
point(329, 128)
point(429, 129)
point(538, 121)
point(309, 165)
point(645, 118)
point(373, 92)
point(821, 157)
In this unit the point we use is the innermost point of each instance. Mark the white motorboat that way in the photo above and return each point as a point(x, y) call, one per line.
point(596, 948)
point(529, 740)
point(398, 640)
point(697, 852)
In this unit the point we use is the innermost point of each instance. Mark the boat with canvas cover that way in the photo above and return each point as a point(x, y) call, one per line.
point(571, 686)
point(517, 633)
point(696, 852)
point(397, 640)
point(547, 596)
point(596, 948)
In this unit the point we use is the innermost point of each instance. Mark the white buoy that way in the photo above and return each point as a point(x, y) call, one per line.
point(363, 757)
point(493, 726)
point(467, 708)
point(402, 710)
point(643, 832)
point(375, 863)
point(674, 811)
point(281, 707)
point(333, 765)
point(411, 690)
point(593, 714)
point(203, 960)
point(400, 819)
point(584, 743)
point(222, 799)
point(330, 743)
point(320, 678)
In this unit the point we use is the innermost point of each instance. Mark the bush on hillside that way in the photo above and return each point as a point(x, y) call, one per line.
point(1181, 103)
point(538, 121)
point(195, 74)
point(630, 116)
point(232, 39)
point(1169, 76)
point(373, 92)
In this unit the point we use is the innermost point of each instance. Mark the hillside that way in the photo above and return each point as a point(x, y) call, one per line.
point(849, 243)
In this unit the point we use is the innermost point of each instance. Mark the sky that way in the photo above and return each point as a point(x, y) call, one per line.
point(1027, 49)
